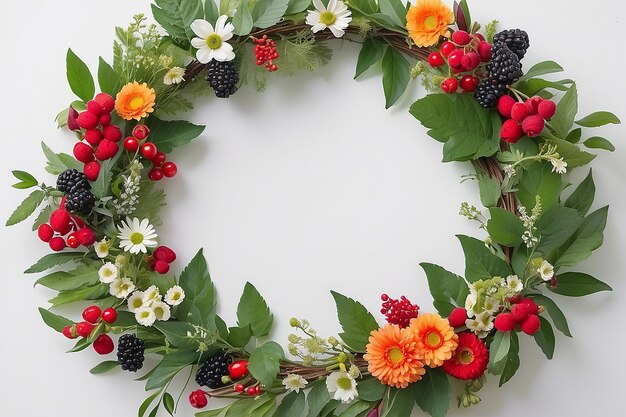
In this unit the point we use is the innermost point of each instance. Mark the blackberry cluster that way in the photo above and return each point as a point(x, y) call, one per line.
point(130, 352)
point(488, 94)
point(76, 187)
point(504, 69)
point(516, 39)
point(212, 370)
point(222, 77)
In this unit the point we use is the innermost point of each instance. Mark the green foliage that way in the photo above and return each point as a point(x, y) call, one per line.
point(101, 187)
point(577, 284)
point(110, 81)
point(26, 208)
point(54, 259)
point(370, 389)
point(78, 76)
point(542, 68)
point(480, 263)
point(555, 313)
point(267, 13)
point(573, 155)
point(54, 321)
point(239, 336)
point(318, 397)
point(448, 290)
point(588, 237)
point(94, 292)
point(395, 9)
point(539, 180)
point(292, 405)
point(545, 338)
point(57, 163)
point(297, 6)
point(253, 310)
point(597, 119)
point(511, 365)
point(490, 190)
point(371, 53)
point(152, 200)
point(396, 75)
point(200, 300)
point(63, 281)
point(176, 333)
point(211, 12)
point(176, 16)
point(498, 352)
point(505, 227)
point(582, 198)
point(169, 366)
point(432, 393)
point(302, 52)
point(555, 227)
point(265, 362)
point(26, 180)
point(398, 402)
point(356, 321)
point(566, 111)
point(598, 142)
point(242, 20)
point(168, 135)
point(103, 367)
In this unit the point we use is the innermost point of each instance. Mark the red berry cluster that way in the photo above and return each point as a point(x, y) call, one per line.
point(92, 316)
point(236, 371)
point(160, 166)
point(100, 137)
point(161, 259)
point(398, 312)
point(464, 55)
point(524, 118)
point(64, 229)
point(265, 52)
point(524, 312)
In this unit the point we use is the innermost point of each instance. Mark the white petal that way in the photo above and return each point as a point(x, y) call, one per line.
point(220, 24)
point(336, 31)
point(202, 28)
point(317, 27)
point(319, 5)
point(198, 43)
point(227, 33)
point(144, 225)
point(312, 18)
point(204, 55)
point(225, 53)
point(332, 5)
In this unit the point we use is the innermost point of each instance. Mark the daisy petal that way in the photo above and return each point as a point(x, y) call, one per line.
point(202, 28)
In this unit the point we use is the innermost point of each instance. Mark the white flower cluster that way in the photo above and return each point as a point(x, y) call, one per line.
point(529, 238)
point(149, 306)
point(129, 198)
point(119, 286)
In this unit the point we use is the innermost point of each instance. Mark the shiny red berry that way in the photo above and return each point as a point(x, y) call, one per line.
point(131, 144)
point(450, 85)
point(92, 314)
point(238, 369)
point(455, 59)
point(169, 169)
point(69, 331)
point(198, 399)
point(457, 317)
point(155, 174)
point(435, 59)
point(103, 344)
point(447, 48)
point(400, 311)
point(239, 388)
point(251, 391)
point(149, 150)
point(159, 159)
point(72, 241)
point(141, 132)
point(469, 83)
point(109, 315)
point(84, 329)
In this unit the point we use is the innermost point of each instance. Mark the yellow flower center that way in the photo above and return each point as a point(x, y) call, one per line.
point(433, 339)
point(466, 356)
point(136, 238)
point(328, 18)
point(214, 41)
point(176, 296)
point(136, 102)
point(430, 22)
point(395, 355)
point(344, 383)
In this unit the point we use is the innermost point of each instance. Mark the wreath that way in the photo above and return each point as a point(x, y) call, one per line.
point(519, 131)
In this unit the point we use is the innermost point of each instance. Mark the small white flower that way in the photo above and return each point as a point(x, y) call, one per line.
point(145, 316)
point(335, 17)
point(491, 305)
point(136, 236)
point(174, 75)
point(161, 310)
point(151, 295)
point(481, 324)
point(558, 165)
point(470, 302)
point(135, 301)
point(294, 382)
point(514, 283)
point(121, 287)
point(343, 385)
point(546, 270)
point(108, 273)
point(509, 170)
point(211, 43)
point(175, 295)
point(102, 248)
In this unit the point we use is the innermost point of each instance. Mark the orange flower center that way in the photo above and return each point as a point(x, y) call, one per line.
point(136, 102)
point(433, 339)
point(395, 355)
point(466, 356)
point(430, 22)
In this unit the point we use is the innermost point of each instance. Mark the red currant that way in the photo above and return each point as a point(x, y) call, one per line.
point(149, 150)
point(69, 331)
point(400, 311)
point(447, 48)
point(450, 85)
point(109, 315)
point(251, 391)
point(265, 52)
point(92, 314)
point(159, 159)
point(469, 83)
point(84, 329)
point(72, 241)
point(435, 59)
point(131, 144)
point(455, 58)
point(239, 388)
point(169, 169)
point(103, 344)
point(198, 399)
point(155, 174)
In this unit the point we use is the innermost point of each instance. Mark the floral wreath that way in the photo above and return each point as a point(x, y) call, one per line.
point(519, 131)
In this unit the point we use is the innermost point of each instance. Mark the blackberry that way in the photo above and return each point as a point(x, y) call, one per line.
point(213, 369)
point(489, 92)
point(81, 201)
point(71, 181)
point(505, 66)
point(516, 39)
point(222, 78)
point(130, 350)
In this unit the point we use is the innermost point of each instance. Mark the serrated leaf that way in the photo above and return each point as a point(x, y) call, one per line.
point(597, 119)
point(572, 154)
point(55, 165)
point(264, 362)
point(545, 338)
point(448, 290)
point(109, 81)
point(480, 263)
point(253, 310)
point(103, 367)
point(267, 13)
point(176, 17)
point(168, 135)
point(598, 142)
point(87, 293)
point(371, 53)
point(26, 208)
point(200, 299)
point(64, 281)
point(396, 75)
point(239, 336)
point(356, 321)
point(432, 393)
point(78, 76)
point(557, 316)
point(53, 320)
point(176, 333)
point(54, 259)
point(577, 284)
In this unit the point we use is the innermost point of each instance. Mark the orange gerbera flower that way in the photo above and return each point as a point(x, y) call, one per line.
point(436, 340)
point(393, 357)
point(135, 101)
point(427, 20)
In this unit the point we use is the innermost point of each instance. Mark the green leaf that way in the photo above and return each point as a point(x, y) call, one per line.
point(211, 12)
point(566, 111)
point(598, 142)
point(265, 410)
point(545, 338)
point(329, 408)
point(582, 198)
point(512, 361)
point(265, 362)
point(588, 238)
point(555, 227)
point(395, 10)
point(78, 76)
point(505, 227)
point(176, 333)
point(319, 396)
point(398, 402)
point(176, 17)
point(267, 13)
point(239, 336)
point(538, 179)
point(355, 409)
point(297, 6)
point(168, 400)
point(56, 163)
point(26, 208)
point(557, 316)
point(86, 293)
point(64, 281)
point(371, 52)
point(200, 301)
point(253, 310)
point(144, 405)
point(597, 119)
point(26, 180)
point(432, 392)
point(490, 190)
point(54, 320)
point(167, 369)
point(218, 412)
point(571, 153)
point(534, 86)
point(356, 321)
point(396, 75)
point(498, 352)
point(370, 389)
point(292, 405)
point(574, 136)
point(542, 68)
point(244, 408)
point(480, 263)
point(167, 135)
point(448, 290)
point(103, 367)
point(242, 20)
point(577, 284)
point(110, 82)
point(54, 259)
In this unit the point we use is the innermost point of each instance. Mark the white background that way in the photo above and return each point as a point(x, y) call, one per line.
point(308, 187)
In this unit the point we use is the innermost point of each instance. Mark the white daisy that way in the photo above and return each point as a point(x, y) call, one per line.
point(102, 248)
point(546, 270)
point(145, 316)
point(151, 295)
point(481, 324)
point(174, 75)
point(491, 305)
point(335, 17)
point(294, 382)
point(175, 295)
point(211, 43)
point(136, 236)
point(121, 287)
point(343, 385)
point(108, 273)
point(470, 302)
point(161, 310)
point(135, 301)
point(559, 165)
point(514, 283)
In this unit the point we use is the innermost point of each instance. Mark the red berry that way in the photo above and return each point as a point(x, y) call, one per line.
point(106, 101)
point(533, 308)
point(84, 329)
point(514, 299)
point(198, 399)
point(239, 388)
point(505, 322)
point(400, 311)
point(57, 244)
point(131, 144)
point(109, 315)
point(531, 324)
point(105, 119)
point(461, 37)
point(450, 85)
point(83, 152)
point(435, 59)
point(103, 344)
point(149, 150)
point(72, 241)
point(87, 120)
point(86, 236)
point(455, 58)
point(141, 132)
point(511, 131)
point(257, 389)
point(533, 104)
point(533, 125)
point(238, 369)
point(159, 159)
point(546, 109)
point(169, 169)
point(484, 51)
point(384, 297)
point(479, 36)
point(251, 391)
point(447, 48)
point(93, 136)
point(92, 314)
point(163, 253)
point(519, 311)
point(519, 112)
point(155, 174)
point(469, 83)
point(470, 61)
point(72, 115)
point(94, 108)
point(106, 150)
point(505, 105)
point(45, 232)
point(69, 331)
point(457, 317)
point(161, 267)
point(112, 133)
point(60, 221)
point(92, 170)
